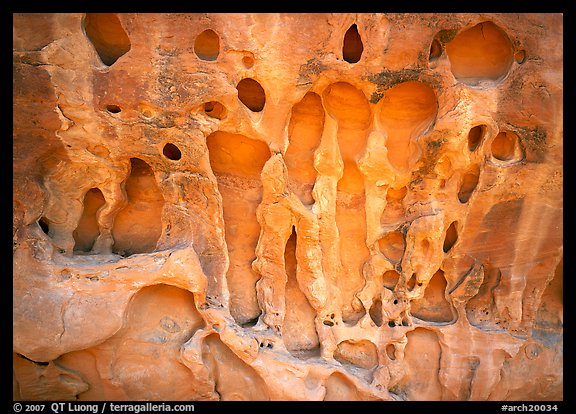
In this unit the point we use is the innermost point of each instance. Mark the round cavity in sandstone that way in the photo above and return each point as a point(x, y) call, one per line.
point(107, 35)
point(44, 224)
point(363, 353)
point(391, 351)
point(236, 155)
point(520, 56)
point(390, 279)
point(113, 109)
point(248, 61)
point(409, 106)
point(468, 183)
point(481, 53)
point(348, 105)
point(392, 246)
point(251, 94)
point(88, 228)
point(451, 237)
point(504, 146)
point(214, 109)
point(396, 193)
point(172, 152)
point(435, 50)
point(353, 47)
point(376, 312)
point(207, 45)
point(406, 111)
point(475, 137)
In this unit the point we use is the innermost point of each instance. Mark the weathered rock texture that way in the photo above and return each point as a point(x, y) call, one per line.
point(288, 207)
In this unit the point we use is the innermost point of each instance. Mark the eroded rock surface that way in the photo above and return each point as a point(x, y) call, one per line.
point(288, 206)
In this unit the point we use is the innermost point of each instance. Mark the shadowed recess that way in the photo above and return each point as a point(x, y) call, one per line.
point(88, 230)
point(172, 152)
point(363, 353)
point(505, 146)
point(475, 137)
point(481, 53)
point(450, 237)
point(468, 183)
point(214, 109)
point(138, 226)
point(435, 50)
point(353, 47)
point(421, 381)
point(251, 94)
point(207, 45)
point(234, 379)
point(304, 134)
point(433, 306)
point(340, 388)
point(107, 35)
point(298, 330)
point(237, 162)
point(406, 111)
point(392, 245)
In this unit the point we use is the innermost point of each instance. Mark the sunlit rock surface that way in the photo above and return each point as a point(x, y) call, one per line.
point(288, 206)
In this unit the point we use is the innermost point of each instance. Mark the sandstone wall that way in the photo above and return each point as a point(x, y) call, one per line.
point(287, 206)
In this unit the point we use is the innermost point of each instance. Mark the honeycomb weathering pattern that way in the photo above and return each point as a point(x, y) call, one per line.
point(275, 206)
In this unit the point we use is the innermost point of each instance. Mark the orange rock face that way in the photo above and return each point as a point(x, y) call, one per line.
point(288, 207)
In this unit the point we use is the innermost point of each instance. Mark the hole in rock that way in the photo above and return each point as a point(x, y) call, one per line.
point(88, 229)
point(237, 162)
point(376, 312)
point(353, 47)
point(451, 237)
point(340, 388)
point(433, 306)
point(406, 111)
point(113, 109)
point(159, 319)
point(328, 323)
point(107, 35)
point(363, 353)
point(435, 50)
point(352, 181)
point(44, 225)
point(250, 323)
point(475, 137)
point(391, 324)
point(299, 329)
point(172, 152)
point(394, 211)
point(251, 94)
point(138, 226)
point(391, 351)
point(481, 53)
point(392, 245)
point(248, 61)
point(504, 146)
point(396, 194)
point(390, 279)
point(350, 108)
point(411, 283)
point(207, 45)
point(304, 134)
point(468, 183)
point(420, 365)
point(41, 363)
point(520, 56)
point(214, 109)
